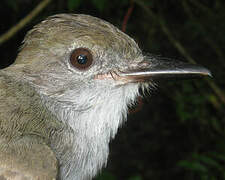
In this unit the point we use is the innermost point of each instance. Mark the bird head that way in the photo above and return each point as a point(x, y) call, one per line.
point(66, 54)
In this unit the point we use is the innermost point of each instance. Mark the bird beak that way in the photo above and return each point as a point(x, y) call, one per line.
point(162, 68)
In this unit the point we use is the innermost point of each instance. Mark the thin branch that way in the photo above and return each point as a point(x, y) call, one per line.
point(207, 37)
point(11, 32)
point(140, 103)
point(127, 16)
point(180, 48)
point(202, 7)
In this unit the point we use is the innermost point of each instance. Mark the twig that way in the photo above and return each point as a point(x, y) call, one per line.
point(207, 38)
point(127, 16)
point(202, 7)
point(11, 32)
point(139, 104)
point(180, 48)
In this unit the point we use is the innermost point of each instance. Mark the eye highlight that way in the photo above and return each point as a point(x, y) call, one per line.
point(81, 58)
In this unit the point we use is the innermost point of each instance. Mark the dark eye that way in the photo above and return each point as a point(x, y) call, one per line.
point(81, 58)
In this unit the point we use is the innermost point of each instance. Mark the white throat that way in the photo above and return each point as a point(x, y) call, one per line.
point(91, 119)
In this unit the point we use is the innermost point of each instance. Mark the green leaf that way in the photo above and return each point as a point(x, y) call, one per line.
point(207, 160)
point(73, 4)
point(220, 157)
point(205, 177)
point(193, 165)
point(99, 4)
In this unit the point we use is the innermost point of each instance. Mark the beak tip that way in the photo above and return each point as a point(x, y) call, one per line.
point(207, 72)
point(210, 74)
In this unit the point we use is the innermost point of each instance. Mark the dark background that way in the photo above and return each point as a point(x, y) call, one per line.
point(177, 132)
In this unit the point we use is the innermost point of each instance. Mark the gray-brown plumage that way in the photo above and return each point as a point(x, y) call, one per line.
point(66, 95)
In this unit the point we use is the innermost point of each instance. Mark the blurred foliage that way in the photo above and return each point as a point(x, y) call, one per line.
point(179, 131)
point(73, 4)
point(106, 176)
point(204, 167)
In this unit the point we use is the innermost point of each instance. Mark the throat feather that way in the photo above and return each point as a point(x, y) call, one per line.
point(82, 147)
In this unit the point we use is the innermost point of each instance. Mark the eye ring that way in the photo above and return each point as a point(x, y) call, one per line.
point(81, 58)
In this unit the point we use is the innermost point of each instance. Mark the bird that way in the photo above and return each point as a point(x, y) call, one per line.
point(67, 93)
